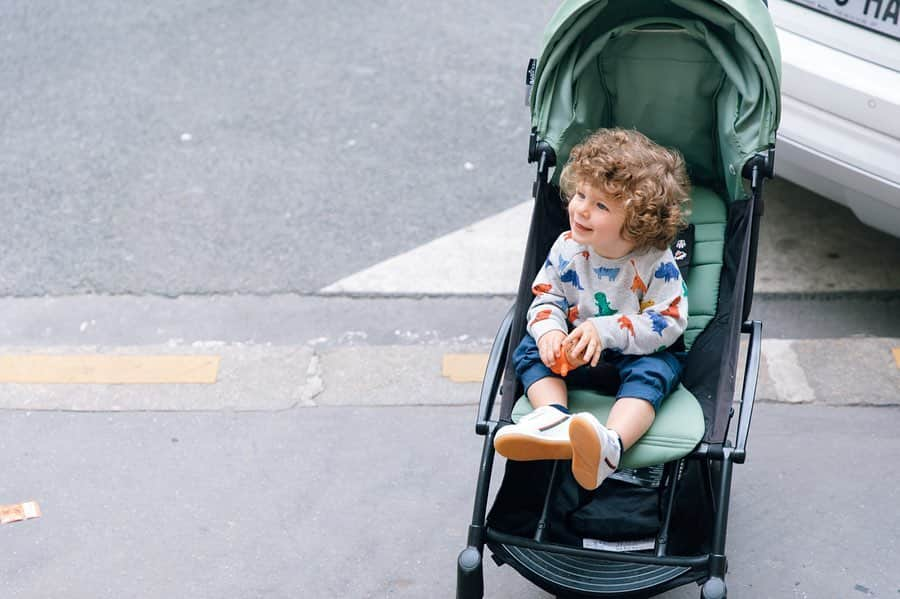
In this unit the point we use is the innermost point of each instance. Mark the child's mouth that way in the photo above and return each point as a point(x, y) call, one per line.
point(581, 228)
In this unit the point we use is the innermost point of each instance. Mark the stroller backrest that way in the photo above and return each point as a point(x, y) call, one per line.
point(672, 99)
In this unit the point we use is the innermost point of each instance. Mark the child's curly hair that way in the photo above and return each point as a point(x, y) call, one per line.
point(649, 180)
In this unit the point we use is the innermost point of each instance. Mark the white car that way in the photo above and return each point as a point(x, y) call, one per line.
point(840, 124)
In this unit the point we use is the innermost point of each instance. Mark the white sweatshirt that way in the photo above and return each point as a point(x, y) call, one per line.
point(638, 303)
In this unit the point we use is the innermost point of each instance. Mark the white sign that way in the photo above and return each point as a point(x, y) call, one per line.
point(882, 16)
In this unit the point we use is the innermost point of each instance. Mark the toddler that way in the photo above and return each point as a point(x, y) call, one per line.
point(609, 290)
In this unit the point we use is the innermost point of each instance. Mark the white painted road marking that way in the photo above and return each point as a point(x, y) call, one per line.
point(787, 375)
point(484, 258)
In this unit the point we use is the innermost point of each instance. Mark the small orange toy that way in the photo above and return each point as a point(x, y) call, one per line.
point(562, 365)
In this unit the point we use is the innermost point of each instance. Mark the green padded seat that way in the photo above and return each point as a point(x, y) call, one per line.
point(679, 423)
point(676, 430)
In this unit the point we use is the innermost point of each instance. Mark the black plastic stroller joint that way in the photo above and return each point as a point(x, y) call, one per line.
point(537, 148)
point(759, 167)
point(543, 154)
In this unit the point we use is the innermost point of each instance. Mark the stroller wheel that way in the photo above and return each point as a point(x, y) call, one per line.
point(714, 588)
point(469, 576)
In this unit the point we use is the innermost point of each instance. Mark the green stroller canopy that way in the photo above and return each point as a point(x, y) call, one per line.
point(699, 75)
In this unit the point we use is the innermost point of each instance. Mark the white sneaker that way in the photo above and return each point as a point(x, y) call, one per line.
point(541, 435)
point(595, 450)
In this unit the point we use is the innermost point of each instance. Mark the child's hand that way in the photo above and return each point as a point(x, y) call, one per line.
point(549, 346)
point(573, 360)
point(584, 345)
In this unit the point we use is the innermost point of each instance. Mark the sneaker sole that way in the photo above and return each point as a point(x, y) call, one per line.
point(587, 451)
point(525, 448)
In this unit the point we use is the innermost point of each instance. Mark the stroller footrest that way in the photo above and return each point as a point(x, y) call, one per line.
point(591, 577)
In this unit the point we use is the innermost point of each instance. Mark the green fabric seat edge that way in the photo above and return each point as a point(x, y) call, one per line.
point(675, 432)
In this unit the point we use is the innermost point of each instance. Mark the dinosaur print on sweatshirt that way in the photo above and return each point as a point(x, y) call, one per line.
point(541, 288)
point(637, 284)
point(625, 323)
point(573, 314)
point(610, 273)
point(569, 276)
point(667, 271)
point(672, 310)
point(603, 307)
point(658, 322)
point(542, 315)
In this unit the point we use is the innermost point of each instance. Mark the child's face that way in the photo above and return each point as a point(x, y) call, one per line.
point(597, 221)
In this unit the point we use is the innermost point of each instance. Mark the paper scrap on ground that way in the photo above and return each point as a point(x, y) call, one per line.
point(19, 511)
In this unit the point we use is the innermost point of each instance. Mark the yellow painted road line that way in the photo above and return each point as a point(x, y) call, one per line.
point(896, 351)
point(108, 370)
point(464, 368)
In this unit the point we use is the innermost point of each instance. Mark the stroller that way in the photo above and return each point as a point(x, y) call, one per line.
point(701, 76)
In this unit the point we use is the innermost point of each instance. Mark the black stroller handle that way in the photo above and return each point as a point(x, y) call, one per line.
point(493, 373)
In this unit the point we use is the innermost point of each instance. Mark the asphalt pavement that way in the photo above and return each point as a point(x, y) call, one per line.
point(211, 147)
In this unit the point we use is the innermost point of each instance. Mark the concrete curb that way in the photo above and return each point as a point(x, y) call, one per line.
point(830, 372)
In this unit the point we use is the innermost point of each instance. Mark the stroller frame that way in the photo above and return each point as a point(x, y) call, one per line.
point(716, 459)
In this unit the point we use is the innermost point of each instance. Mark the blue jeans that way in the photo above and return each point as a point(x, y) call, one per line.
point(652, 377)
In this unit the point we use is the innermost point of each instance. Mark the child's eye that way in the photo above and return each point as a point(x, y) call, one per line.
point(602, 206)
